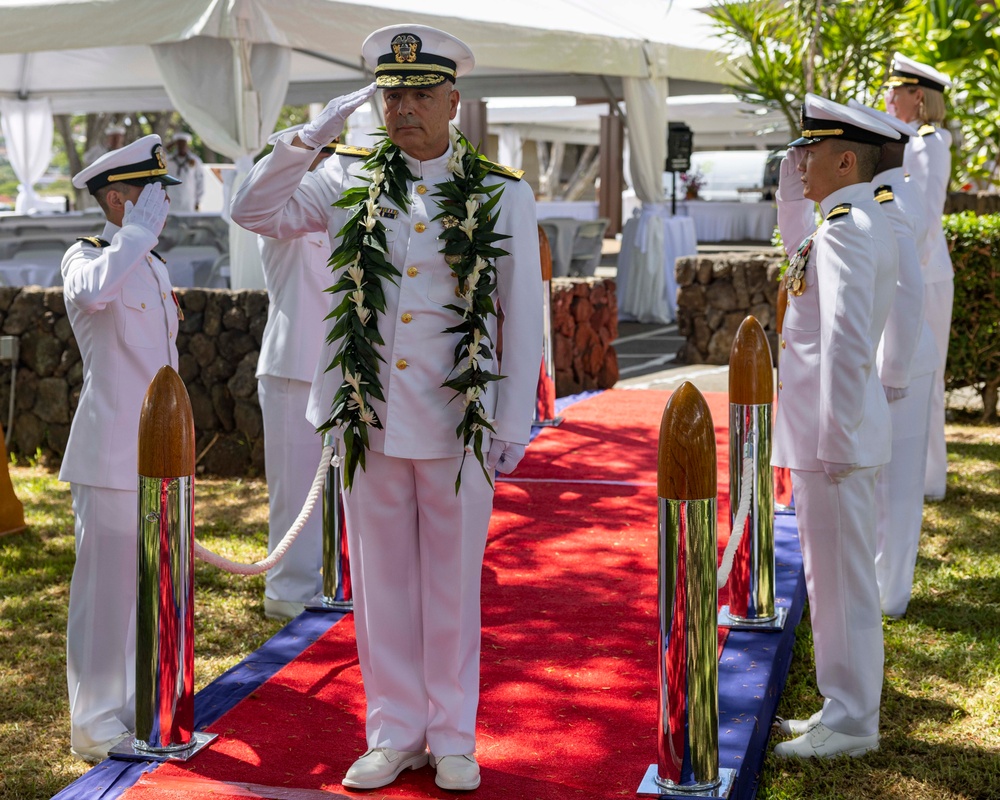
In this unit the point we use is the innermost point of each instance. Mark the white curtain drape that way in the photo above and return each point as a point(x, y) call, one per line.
point(27, 129)
point(511, 147)
point(646, 108)
point(230, 92)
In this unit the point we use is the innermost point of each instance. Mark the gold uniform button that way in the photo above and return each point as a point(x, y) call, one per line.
point(458, 292)
point(780, 386)
point(420, 227)
point(782, 344)
point(412, 272)
point(164, 295)
point(407, 317)
point(421, 189)
point(401, 364)
point(142, 304)
point(171, 335)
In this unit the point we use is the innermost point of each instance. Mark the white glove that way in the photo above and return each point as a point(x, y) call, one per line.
point(504, 456)
point(894, 393)
point(790, 188)
point(330, 122)
point(149, 211)
point(837, 472)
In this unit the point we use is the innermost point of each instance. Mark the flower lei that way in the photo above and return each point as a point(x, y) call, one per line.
point(469, 248)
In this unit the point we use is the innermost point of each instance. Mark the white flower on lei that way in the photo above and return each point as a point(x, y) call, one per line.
point(467, 226)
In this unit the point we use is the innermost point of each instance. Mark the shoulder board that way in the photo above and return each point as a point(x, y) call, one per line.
point(883, 194)
point(354, 152)
point(923, 130)
point(839, 211)
point(507, 172)
point(94, 240)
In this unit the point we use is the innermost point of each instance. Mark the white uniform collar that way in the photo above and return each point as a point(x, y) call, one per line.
point(854, 193)
point(432, 167)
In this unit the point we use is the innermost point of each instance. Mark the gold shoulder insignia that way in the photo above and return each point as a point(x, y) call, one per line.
point(94, 240)
point(507, 172)
point(923, 130)
point(883, 194)
point(355, 152)
point(839, 211)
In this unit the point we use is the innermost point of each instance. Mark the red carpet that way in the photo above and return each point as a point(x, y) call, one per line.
point(568, 704)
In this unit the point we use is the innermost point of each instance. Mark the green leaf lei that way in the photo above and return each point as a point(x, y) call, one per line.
point(469, 247)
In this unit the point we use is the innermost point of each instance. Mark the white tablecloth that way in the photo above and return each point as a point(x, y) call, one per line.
point(566, 208)
point(27, 273)
point(648, 292)
point(717, 221)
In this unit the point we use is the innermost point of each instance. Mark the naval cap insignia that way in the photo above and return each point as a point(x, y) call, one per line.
point(405, 47)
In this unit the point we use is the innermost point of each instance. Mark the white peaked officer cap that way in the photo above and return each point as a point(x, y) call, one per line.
point(825, 119)
point(274, 137)
point(907, 72)
point(906, 130)
point(140, 162)
point(181, 136)
point(113, 128)
point(415, 55)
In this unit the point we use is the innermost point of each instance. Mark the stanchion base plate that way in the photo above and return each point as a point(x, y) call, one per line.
point(547, 423)
point(321, 604)
point(126, 750)
point(649, 786)
point(774, 625)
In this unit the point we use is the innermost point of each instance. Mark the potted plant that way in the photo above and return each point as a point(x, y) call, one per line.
point(692, 181)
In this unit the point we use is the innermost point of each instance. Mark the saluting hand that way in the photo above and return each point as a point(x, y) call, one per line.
point(330, 122)
point(790, 188)
point(149, 211)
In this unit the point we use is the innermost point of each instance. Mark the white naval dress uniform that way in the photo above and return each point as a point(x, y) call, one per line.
point(186, 196)
point(927, 159)
point(831, 407)
point(124, 318)
point(906, 358)
point(296, 277)
point(416, 548)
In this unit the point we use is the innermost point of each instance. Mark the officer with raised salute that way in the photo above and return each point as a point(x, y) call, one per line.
point(916, 95)
point(906, 362)
point(432, 245)
point(124, 317)
point(832, 426)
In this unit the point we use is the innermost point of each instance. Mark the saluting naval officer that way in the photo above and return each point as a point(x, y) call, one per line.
point(124, 317)
point(832, 424)
point(436, 242)
point(906, 359)
point(916, 95)
point(296, 277)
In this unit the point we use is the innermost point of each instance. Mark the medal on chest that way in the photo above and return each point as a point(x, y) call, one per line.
point(795, 275)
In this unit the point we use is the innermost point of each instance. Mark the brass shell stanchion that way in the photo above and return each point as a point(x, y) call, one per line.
point(545, 395)
point(751, 390)
point(164, 673)
point(336, 594)
point(11, 510)
point(687, 654)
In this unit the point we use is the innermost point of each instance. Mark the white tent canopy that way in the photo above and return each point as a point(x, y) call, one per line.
point(228, 65)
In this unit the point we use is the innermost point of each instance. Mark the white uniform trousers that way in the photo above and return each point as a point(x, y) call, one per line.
point(899, 497)
point(100, 634)
point(938, 298)
point(416, 566)
point(837, 532)
point(292, 448)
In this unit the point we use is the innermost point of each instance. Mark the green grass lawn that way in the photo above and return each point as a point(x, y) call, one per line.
point(941, 702)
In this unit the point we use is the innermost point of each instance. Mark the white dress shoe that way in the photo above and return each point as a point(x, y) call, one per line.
point(796, 727)
point(380, 766)
point(821, 742)
point(458, 773)
point(282, 609)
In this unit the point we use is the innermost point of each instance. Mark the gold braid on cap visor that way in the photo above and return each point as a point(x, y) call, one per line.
point(811, 134)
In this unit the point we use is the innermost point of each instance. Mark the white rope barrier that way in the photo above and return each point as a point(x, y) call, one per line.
point(276, 555)
point(739, 523)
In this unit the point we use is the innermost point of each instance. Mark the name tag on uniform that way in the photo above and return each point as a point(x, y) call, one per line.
point(390, 213)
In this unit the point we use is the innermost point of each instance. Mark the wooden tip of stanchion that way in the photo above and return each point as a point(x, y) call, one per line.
point(545, 254)
point(166, 428)
point(751, 379)
point(686, 458)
